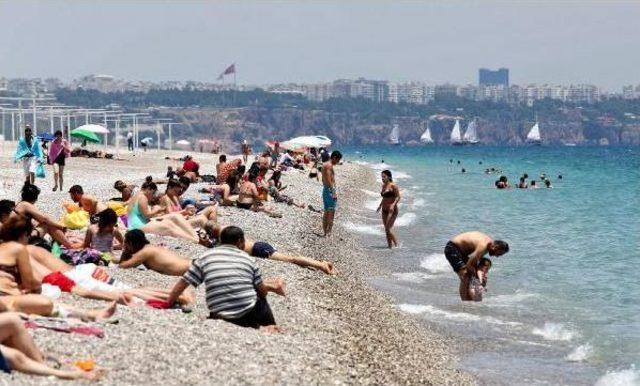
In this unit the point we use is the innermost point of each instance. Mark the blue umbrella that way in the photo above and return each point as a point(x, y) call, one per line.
point(46, 137)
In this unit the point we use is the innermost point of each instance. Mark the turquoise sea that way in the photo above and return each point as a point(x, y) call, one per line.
point(563, 306)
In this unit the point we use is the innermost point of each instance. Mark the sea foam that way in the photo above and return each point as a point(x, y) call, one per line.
point(554, 331)
point(435, 263)
point(629, 377)
point(405, 219)
point(451, 315)
point(580, 353)
point(375, 230)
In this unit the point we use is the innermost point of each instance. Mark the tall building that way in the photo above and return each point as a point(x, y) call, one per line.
point(488, 77)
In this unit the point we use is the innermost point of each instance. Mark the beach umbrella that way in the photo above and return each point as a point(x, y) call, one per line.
point(93, 128)
point(314, 141)
point(207, 141)
point(183, 142)
point(46, 137)
point(85, 135)
point(147, 140)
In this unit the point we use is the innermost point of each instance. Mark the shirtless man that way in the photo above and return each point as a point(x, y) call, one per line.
point(89, 203)
point(329, 194)
point(138, 250)
point(245, 151)
point(465, 251)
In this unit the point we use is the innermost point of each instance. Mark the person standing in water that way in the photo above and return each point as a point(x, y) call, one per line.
point(389, 206)
point(329, 194)
point(245, 151)
point(58, 153)
point(464, 253)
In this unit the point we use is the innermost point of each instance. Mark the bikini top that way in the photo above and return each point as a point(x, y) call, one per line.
point(13, 271)
point(388, 194)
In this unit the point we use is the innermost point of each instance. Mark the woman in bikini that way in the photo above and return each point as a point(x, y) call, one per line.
point(171, 201)
point(249, 198)
point(389, 206)
point(154, 220)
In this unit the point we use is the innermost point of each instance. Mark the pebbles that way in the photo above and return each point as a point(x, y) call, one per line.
point(338, 330)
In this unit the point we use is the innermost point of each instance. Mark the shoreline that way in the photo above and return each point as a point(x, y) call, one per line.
point(337, 329)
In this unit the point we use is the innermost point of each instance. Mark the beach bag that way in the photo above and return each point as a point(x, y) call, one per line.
point(40, 173)
point(76, 220)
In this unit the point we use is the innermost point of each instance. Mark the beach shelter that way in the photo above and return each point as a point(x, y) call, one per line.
point(96, 129)
point(309, 141)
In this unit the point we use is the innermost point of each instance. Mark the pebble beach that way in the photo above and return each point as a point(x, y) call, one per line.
point(337, 329)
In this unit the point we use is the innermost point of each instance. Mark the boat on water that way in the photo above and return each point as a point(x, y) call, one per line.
point(456, 136)
point(426, 136)
point(394, 136)
point(471, 134)
point(533, 137)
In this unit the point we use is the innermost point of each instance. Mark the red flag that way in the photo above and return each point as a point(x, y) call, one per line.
point(230, 70)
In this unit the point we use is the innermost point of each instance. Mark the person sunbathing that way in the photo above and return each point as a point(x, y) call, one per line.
point(171, 202)
point(100, 236)
point(138, 251)
point(19, 352)
point(154, 219)
point(221, 193)
point(249, 197)
point(88, 203)
point(26, 209)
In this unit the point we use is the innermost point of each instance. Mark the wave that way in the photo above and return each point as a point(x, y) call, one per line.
point(413, 277)
point(372, 205)
point(370, 193)
point(509, 300)
point(629, 377)
point(405, 219)
point(375, 230)
point(397, 175)
point(418, 203)
point(381, 166)
point(555, 331)
point(580, 353)
point(451, 315)
point(435, 263)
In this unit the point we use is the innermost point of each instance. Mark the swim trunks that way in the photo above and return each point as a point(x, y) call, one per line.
point(455, 257)
point(327, 199)
point(4, 365)
point(59, 280)
point(244, 205)
point(259, 315)
point(262, 250)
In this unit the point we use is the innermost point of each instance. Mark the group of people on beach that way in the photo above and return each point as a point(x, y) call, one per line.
point(39, 254)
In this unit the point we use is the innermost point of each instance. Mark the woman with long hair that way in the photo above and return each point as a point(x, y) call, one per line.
point(389, 206)
point(58, 153)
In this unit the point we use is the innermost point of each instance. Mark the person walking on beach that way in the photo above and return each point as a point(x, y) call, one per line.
point(58, 153)
point(389, 206)
point(329, 194)
point(465, 251)
point(245, 151)
point(30, 154)
point(235, 290)
point(130, 141)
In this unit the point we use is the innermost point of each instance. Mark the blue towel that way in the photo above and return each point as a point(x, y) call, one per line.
point(23, 150)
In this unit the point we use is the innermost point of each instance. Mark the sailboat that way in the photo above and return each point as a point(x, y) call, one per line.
point(471, 135)
point(534, 135)
point(426, 136)
point(394, 138)
point(456, 137)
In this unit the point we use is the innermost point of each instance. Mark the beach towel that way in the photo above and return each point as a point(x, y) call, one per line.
point(55, 149)
point(76, 220)
point(40, 172)
point(61, 325)
point(83, 256)
point(23, 150)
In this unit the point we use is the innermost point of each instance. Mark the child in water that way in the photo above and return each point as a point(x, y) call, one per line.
point(477, 281)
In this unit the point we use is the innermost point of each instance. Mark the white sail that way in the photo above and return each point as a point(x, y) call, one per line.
point(426, 136)
point(455, 133)
point(534, 134)
point(471, 135)
point(394, 137)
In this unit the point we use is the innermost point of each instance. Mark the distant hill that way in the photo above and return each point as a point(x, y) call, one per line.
point(259, 115)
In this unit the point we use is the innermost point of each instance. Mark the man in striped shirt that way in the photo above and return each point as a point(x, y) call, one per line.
point(234, 288)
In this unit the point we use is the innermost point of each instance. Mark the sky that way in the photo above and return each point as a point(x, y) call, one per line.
point(300, 41)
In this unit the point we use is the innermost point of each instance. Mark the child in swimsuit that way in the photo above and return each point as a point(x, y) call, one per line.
point(477, 281)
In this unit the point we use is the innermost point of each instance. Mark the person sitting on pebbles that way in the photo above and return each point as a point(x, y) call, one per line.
point(138, 251)
point(235, 289)
point(88, 203)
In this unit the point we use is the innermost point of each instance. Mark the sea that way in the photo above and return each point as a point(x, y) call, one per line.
point(563, 306)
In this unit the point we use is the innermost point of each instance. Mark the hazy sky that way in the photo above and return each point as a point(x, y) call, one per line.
point(435, 41)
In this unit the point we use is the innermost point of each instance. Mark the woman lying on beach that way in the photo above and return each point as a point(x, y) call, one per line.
point(389, 205)
point(26, 209)
point(154, 220)
point(249, 198)
point(171, 202)
point(138, 251)
point(19, 352)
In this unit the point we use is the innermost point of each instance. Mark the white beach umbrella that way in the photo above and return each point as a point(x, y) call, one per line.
point(147, 140)
point(183, 142)
point(315, 141)
point(97, 129)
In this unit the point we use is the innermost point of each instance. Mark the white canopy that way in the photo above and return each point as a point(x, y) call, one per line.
point(183, 142)
point(94, 128)
point(315, 141)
